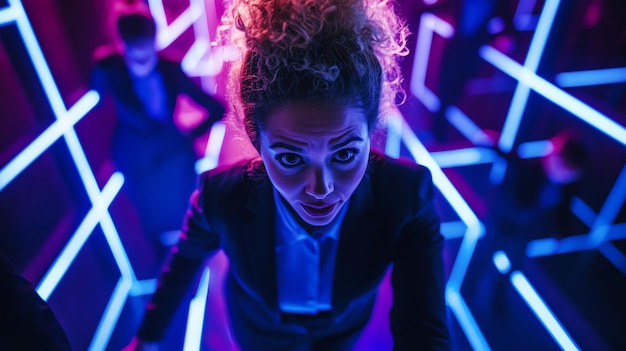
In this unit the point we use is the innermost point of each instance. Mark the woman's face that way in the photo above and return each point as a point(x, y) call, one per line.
point(315, 156)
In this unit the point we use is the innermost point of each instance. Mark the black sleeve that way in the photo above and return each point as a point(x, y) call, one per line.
point(418, 315)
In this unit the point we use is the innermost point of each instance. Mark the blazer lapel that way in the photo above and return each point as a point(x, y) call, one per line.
point(355, 241)
point(260, 241)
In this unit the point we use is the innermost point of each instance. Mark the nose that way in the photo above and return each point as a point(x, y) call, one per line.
point(320, 184)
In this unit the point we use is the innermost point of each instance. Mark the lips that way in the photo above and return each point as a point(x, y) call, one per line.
point(318, 210)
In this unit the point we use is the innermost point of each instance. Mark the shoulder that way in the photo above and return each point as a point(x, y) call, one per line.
point(396, 172)
point(225, 177)
point(108, 58)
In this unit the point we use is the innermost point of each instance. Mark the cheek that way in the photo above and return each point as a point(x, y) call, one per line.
point(284, 182)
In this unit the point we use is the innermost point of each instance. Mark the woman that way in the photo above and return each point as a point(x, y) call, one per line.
point(311, 227)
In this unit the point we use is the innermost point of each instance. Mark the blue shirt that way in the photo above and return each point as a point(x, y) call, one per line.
point(305, 263)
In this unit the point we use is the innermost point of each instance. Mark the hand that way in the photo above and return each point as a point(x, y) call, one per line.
point(137, 345)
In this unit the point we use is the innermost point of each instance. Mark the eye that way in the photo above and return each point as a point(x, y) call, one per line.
point(289, 160)
point(345, 155)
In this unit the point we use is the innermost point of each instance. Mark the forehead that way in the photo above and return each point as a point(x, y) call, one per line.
point(310, 118)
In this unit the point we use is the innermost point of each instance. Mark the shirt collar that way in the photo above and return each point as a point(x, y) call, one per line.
point(290, 230)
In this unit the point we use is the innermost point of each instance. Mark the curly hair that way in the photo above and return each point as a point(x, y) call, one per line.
point(328, 51)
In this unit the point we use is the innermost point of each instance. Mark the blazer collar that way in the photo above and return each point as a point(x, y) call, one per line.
point(355, 238)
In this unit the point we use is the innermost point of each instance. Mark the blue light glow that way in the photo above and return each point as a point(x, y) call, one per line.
point(111, 314)
point(466, 321)
point(614, 255)
point(429, 24)
point(610, 209)
point(60, 266)
point(463, 157)
point(542, 311)
point(467, 127)
point(195, 318)
point(213, 147)
point(534, 149)
point(574, 106)
point(591, 77)
point(501, 261)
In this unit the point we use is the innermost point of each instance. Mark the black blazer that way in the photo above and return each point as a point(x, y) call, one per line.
point(391, 219)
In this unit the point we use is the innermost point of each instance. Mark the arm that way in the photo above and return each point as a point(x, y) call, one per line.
point(214, 107)
point(197, 241)
point(418, 313)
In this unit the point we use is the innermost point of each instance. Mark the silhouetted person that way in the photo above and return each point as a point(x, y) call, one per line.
point(26, 320)
point(155, 156)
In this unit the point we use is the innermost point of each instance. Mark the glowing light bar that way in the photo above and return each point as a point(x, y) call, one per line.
point(111, 314)
point(429, 24)
point(167, 33)
point(213, 147)
point(614, 255)
point(467, 127)
point(582, 211)
point(466, 321)
point(475, 228)
point(502, 262)
point(463, 157)
point(591, 77)
point(520, 96)
point(393, 144)
point(542, 311)
point(60, 266)
point(195, 318)
point(48, 137)
point(453, 230)
point(7, 15)
point(144, 287)
point(610, 209)
point(574, 243)
point(556, 95)
point(534, 149)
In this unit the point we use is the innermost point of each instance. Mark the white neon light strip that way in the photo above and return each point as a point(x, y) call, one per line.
point(591, 77)
point(574, 243)
point(466, 320)
point(610, 209)
point(429, 24)
point(60, 266)
point(111, 314)
point(7, 15)
point(534, 149)
point(501, 261)
point(48, 137)
point(556, 95)
point(453, 230)
point(463, 157)
point(195, 318)
point(213, 148)
point(475, 229)
point(167, 33)
point(143, 287)
point(520, 96)
point(393, 143)
point(467, 127)
point(542, 311)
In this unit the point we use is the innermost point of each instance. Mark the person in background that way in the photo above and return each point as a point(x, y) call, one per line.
point(312, 225)
point(26, 321)
point(155, 156)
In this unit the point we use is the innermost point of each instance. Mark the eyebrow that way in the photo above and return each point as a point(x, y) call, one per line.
point(346, 142)
point(283, 145)
point(290, 147)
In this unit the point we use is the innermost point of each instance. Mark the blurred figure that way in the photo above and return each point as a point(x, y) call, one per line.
point(532, 201)
point(26, 321)
point(535, 195)
point(155, 156)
